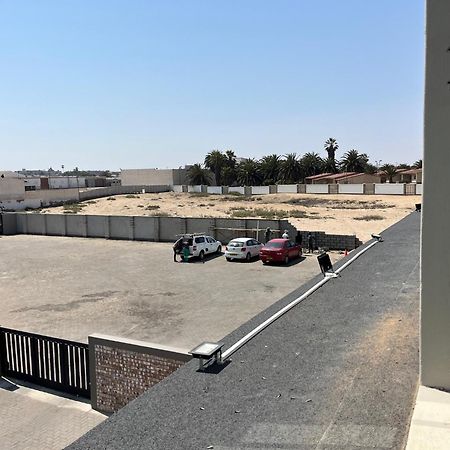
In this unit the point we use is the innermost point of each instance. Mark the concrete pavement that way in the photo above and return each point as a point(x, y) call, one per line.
point(33, 419)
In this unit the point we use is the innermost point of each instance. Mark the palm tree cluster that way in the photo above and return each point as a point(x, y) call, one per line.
point(222, 168)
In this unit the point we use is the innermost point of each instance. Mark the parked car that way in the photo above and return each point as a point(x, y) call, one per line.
point(201, 245)
point(280, 250)
point(242, 248)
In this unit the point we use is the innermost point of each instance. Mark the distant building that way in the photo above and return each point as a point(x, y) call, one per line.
point(343, 178)
point(149, 177)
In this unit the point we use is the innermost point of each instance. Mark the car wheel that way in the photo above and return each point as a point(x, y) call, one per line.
point(248, 257)
point(300, 253)
point(201, 255)
point(219, 249)
point(228, 259)
point(286, 259)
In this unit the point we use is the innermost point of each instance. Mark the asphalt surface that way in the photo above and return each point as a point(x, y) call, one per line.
point(339, 371)
point(72, 287)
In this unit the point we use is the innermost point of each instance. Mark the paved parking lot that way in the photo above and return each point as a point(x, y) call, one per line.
point(73, 287)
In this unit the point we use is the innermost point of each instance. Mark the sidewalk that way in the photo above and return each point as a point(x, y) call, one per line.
point(32, 419)
point(430, 424)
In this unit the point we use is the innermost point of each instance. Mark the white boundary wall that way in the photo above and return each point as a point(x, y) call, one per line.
point(351, 188)
point(214, 190)
point(317, 188)
point(418, 189)
point(390, 188)
point(260, 190)
point(287, 188)
point(238, 189)
point(195, 189)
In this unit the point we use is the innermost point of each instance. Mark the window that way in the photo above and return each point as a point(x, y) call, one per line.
point(249, 243)
point(199, 240)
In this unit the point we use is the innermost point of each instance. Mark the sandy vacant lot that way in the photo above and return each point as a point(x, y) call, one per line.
point(340, 214)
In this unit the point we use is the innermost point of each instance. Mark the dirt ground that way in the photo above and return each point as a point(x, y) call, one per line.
point(336, 214)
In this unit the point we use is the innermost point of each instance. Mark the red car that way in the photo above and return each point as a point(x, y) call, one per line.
point(280, 250)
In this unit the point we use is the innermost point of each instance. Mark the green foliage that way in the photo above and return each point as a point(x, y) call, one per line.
point(417, 164)
point(390, 171)
point(353, 161)
point(248, 173)
point(270, 169)
point(198, 175)
point(132, 196)
point(331, 147)
point(312, 164)
point(291, 169)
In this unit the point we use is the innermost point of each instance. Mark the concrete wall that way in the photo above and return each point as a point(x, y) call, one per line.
point(179, 188)
point(236, 189)
point(19, 205)
point(153, 176)
point(122, 369)
point(435, 251)
point(389, 189)
point(50, 196)
point(164, 229)
point(197, 189)
point(351, 188)
point(419, 189)
point(287, 188)
point(260, 190)
point(317, 188)
point(215, 189)
point(66, 182)
point(12, 188)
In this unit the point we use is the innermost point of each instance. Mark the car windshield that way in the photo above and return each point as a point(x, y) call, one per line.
point(274, 244)
point(235, 244)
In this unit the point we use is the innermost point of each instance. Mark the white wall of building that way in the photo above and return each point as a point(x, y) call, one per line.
point(435, 251)
point(12, 188)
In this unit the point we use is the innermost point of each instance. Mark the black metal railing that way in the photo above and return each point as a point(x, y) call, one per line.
point(51, 362)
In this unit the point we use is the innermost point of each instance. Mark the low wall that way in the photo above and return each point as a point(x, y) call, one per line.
point(179, 188)
point(122, 369)
point(237, 190)
point(351, 188)
point(389, 188)
point(419, 189)
point(160, 229)
point(197, 189)
point(287, 188)
point(215, 190)
point(121, 190)
point(317, 188)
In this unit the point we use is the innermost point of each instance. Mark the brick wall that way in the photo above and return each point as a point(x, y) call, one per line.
point(122, 369)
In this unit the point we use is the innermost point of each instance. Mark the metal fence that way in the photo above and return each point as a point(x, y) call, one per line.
point(54, 363)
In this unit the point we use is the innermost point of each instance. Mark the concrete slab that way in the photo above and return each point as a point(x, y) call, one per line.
point(73, 287)
point(430, 424)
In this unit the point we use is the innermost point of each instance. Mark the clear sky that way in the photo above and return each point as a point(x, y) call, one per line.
point(159, 83)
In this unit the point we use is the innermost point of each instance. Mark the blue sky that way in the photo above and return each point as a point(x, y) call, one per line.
point(127, 84)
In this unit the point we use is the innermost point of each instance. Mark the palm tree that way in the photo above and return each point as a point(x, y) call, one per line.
point(290, 170)
point(403, 166)
point(215, 161)
point(371, 169)
point(389, 170)
point(311, 164)
point(329, 165)
point(354, 161)
point(331, 146)
point(270, 169)
point(417, 164)
point(198, 175)
point(228, 174)
point(248, 173)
